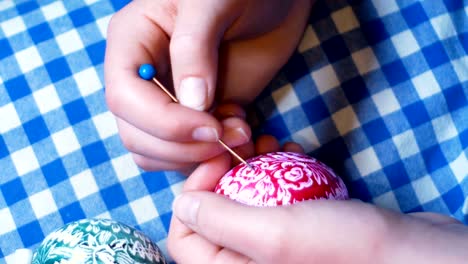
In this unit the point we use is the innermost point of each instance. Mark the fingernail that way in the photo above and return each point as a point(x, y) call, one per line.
point(192, 93)
point(185, 208)
point(207, 134)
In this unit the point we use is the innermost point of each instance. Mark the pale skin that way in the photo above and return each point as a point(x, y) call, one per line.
point(227, 51)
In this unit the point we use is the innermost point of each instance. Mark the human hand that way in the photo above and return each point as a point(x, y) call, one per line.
point(235, 45)
point(209, 228)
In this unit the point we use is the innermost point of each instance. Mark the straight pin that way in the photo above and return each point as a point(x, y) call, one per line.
point(147, 72)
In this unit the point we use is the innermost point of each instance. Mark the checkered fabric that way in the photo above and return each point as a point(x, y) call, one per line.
point(377, 90)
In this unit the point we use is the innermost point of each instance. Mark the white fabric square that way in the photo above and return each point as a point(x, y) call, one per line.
point(425, 189)
point(43, 203)
point(365, 60)
point(385, 7)
point(84, 184)
point(459, 167)
point(444, 128)
point(285, 98)
point(461, 68)
point(405, 43)
point(8, 224)
point(65, 141)
point(69, 42)
point(4, 5)
point(144, 209)
point(53, 10)
point(88, 81)
point(307, 139)
point(125, 168)
point(345, 20)
point(29, 59)
point(406, 144)
point(103, 24)
point(13, 26)
point(367, 162)
point(387, 200)
point(386, 102)
point(426, 84)
point(25, 160)
point(47, 99)
point(309, 40)
point(105, 124)
point(345, 120)
point(443, 26)
point(89, 2)
point(177, 188)
point(325, 78)
point(9, 118)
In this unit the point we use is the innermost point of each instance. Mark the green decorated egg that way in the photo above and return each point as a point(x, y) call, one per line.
point(97, 241)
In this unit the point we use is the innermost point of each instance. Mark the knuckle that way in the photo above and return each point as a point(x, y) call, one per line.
point(279, 241)
point(143, 163)
point(128, 142)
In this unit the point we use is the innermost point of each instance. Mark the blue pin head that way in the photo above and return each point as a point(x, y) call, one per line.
point(147, 71)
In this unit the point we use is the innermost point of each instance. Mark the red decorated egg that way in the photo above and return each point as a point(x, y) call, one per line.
point(281, 178)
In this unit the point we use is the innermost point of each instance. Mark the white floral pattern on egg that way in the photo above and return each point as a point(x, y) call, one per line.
point(281, 178)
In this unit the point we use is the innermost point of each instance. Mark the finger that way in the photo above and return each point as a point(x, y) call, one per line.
point(230, 110)
point(286, 234)
point(141, 102)
point(266, 144)
point(194, 49)
point(237, 132)
point(149, 164)
point(293, 147)
point(207, 174)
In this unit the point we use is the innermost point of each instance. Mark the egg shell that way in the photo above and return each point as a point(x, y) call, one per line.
point(97, 241)
point(281, 178)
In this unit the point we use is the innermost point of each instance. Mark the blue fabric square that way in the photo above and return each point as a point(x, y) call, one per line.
point(81, 16)
point(96, 52)
point(334, 153)
point(72, 212)
point(397, 175)
point(27, 7)
point(376, 131)
point(3, 148)
point(58, 69)
point(395, 72)
point(31, 233)
point(36, 130)
point(76, 111)
point(17, 88)
point(335, 49)
point(434, 158)
point(355, 89)
point(95, 154)
point(414, 14)
point(118, 4)
point(374, 31)
point(166, 220)
point(316, 110)
point(464, 139)
point(296, 68)
point(114, 196)
point(5, 49)
point(463, 39)
point(455, 98)
point(54, 172)
point(275, 127)
point(13, 191)
point(454, 5)
point(155, 181)
point(454, 199)
point(435, 55)
point(41, 32)
point(416, 114)
point(359, 189)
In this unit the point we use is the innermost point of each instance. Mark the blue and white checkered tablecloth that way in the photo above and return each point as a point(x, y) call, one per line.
point(377, 89)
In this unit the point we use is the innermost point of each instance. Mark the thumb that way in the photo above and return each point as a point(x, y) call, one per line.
point(198, 30)
point(251, 231)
